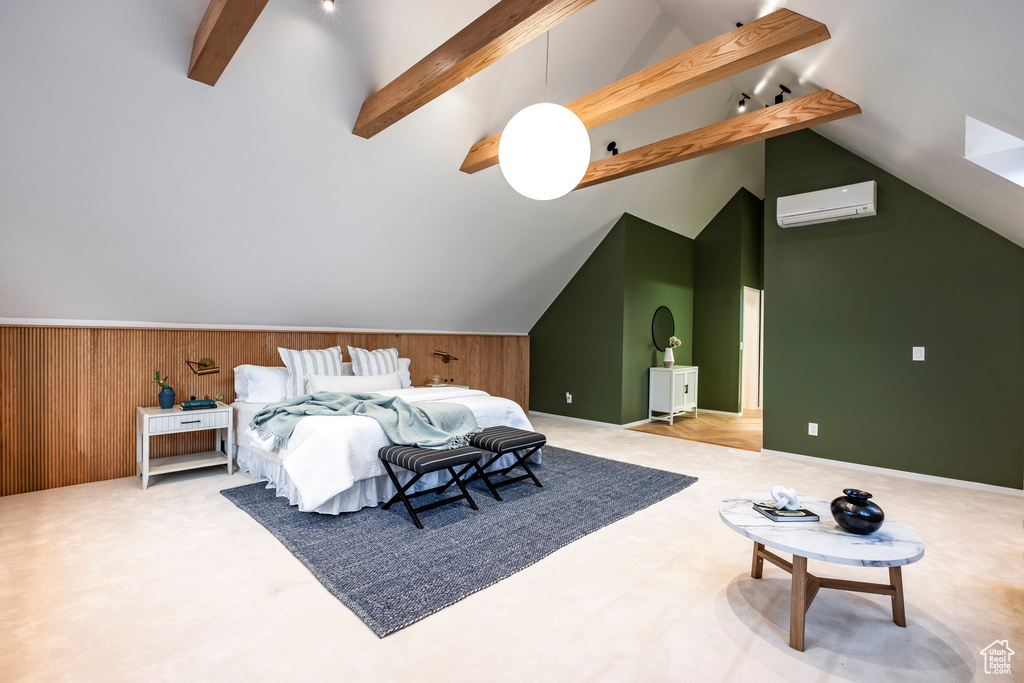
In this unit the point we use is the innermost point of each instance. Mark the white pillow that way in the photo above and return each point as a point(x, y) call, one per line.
point(309, 362)
point(259, 384)
point(403, 370)
point(378, 362)
point(353, 385)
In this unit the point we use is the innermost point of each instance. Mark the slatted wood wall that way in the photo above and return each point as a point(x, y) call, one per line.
point(68, 394)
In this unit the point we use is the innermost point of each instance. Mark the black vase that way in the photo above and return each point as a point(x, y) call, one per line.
point(166, 398)
point(856, 514)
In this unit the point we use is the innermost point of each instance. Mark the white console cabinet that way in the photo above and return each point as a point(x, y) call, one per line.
point(673, 391)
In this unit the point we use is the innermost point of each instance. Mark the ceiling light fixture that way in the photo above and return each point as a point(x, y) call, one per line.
point(612, 148)
point(781, 95)
point(544, 150)
point(743, 102)
point(328, 5)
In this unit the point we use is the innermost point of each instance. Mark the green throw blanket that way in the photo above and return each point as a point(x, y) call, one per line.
point(429, 425)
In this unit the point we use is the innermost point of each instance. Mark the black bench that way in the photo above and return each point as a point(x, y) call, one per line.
point(501, 441)
point(423, 461)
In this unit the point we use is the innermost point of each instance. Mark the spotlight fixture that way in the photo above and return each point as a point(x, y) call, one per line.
point(612, 148)
point(781, 95)
point(328, 5)
point(743, 102)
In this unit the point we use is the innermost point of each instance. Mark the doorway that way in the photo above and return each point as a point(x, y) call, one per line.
point(752, 346)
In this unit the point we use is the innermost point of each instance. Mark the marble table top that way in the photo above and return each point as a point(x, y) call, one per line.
point(893, 545)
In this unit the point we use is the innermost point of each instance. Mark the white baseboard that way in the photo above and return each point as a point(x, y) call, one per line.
point(589, 422)
point(717, 412)
point(991, 488)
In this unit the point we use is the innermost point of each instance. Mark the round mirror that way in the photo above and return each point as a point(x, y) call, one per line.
point(662, 327)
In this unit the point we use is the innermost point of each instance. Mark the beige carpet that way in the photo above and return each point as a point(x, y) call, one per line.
point(106, 582)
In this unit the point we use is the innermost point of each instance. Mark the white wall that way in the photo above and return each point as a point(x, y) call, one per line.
point(128, 192)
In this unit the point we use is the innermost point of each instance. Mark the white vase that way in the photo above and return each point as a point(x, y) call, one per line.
point(670, 359)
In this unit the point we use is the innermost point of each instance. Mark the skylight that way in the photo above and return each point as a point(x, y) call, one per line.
point(995, 150)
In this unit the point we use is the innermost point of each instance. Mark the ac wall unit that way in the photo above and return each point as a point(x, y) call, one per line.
point(825, 206)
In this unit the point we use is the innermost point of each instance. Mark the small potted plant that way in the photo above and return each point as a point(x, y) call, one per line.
point(166, 395)
point(670, 358)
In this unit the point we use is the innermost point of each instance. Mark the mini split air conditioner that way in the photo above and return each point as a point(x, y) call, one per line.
point(825, 206)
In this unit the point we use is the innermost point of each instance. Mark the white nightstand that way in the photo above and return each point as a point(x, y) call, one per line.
point(673, 391)
point(151, 422)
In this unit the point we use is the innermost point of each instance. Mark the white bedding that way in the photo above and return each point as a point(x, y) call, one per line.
point(327, 455)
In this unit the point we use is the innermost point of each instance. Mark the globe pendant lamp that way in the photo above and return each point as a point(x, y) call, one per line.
point(544, 150)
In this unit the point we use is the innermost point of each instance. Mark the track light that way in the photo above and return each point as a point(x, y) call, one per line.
point(612, 148)
point(743, 102)
point(781, 95)
point(328, 5)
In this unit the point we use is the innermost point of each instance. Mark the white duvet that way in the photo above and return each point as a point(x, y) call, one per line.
point(328, 454)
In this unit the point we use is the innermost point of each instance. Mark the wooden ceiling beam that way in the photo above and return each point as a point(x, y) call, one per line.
point(803, 112)
point(221, 32)
point(745, 47)
point(504, 28)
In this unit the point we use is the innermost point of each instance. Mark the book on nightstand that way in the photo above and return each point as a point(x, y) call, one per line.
point(801, 515)
point(198, 405)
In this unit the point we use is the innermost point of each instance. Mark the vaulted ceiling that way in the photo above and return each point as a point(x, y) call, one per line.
point(130, 193)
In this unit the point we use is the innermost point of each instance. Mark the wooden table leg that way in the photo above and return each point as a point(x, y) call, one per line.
point(798, 603)
point(757, 564)
point(899, 610)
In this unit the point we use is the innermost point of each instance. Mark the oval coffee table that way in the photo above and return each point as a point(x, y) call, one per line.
point(892, 546)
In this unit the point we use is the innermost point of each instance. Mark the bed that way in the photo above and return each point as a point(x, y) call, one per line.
point(330, 464)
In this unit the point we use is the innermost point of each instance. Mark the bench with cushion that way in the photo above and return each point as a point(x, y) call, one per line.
point(423, 461)
point(501, 441)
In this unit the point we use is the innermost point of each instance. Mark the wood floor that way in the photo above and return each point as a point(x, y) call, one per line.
point(743, 432)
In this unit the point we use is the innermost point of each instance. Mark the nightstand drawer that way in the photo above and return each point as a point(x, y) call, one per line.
point(189, 420)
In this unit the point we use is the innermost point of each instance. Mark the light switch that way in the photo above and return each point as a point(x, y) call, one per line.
point(918, 353)
point(812, 428)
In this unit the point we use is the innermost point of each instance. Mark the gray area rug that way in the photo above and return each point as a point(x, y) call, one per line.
point(392, 574)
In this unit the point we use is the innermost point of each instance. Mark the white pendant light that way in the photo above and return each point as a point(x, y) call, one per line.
point(544, 150)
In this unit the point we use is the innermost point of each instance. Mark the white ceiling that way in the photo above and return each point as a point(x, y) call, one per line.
point(918, 68)
point(130, 193)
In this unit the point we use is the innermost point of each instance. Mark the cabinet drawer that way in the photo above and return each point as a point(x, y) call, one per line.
point(188, 421)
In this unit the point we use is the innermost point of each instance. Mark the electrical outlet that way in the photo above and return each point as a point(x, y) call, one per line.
point(812, 428)
point(918, 353)
point(568, 397)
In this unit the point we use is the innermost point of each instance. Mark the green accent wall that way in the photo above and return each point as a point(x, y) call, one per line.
point(846, 302)
point(594, 341)
point(576, 346)
point(659, 272)
point(727, 257)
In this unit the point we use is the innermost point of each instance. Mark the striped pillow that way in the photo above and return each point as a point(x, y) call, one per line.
point(379, 362)
point(311, 362)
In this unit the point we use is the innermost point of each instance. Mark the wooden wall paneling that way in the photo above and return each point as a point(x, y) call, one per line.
point(68, 395)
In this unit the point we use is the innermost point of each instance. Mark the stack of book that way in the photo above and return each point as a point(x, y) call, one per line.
point(801, 515)
point(202, 404)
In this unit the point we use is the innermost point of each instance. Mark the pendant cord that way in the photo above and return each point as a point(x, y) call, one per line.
point(547, 60)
